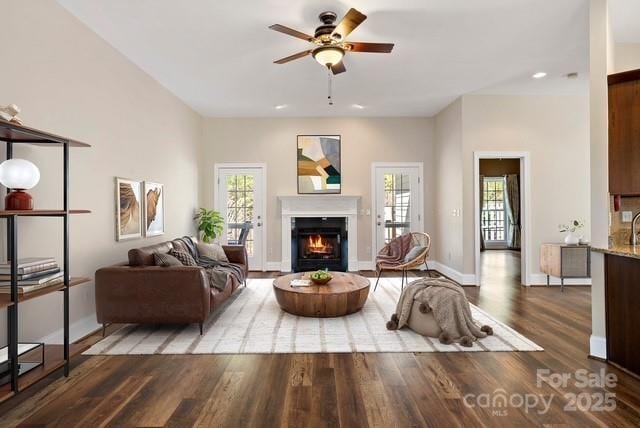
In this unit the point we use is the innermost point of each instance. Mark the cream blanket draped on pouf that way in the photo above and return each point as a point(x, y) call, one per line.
point(450, 308)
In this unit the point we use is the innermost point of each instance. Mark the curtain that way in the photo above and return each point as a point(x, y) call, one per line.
point(513, 210)
point(481, 206)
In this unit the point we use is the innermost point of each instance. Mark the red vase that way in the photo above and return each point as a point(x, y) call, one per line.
point(18, 200)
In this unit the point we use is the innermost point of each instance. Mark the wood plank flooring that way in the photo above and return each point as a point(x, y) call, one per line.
point(301, 390)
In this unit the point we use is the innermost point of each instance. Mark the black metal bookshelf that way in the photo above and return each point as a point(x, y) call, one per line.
point(12, 134)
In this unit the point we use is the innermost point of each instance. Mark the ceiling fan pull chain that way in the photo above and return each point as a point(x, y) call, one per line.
point(330, 98)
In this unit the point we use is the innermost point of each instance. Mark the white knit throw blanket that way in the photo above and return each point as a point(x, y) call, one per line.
point(448, 303)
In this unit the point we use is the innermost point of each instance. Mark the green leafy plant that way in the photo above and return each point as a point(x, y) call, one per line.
point(210, 223)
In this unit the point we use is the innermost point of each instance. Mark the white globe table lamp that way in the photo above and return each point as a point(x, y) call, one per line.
point(18, 175)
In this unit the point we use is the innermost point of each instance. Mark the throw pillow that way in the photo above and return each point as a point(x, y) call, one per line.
point(212, 251)
point(185, 258)
point(413, 253)
point(165, 260)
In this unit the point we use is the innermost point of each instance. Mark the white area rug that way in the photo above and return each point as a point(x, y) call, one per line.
point(253, 323)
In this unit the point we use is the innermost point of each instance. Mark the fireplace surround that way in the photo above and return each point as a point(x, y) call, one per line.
point(329, 206)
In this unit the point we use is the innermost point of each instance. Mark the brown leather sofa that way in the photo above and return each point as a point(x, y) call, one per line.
point(139, 292)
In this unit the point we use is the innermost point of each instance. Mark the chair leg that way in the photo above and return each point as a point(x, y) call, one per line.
point(104, 329)
point(426, 266)
point(377, 280)
point(201, 327)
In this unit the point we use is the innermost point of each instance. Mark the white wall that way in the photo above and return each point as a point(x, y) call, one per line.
point(626, 57)
point(273, 141)
point(555, 131)
point(69, 81)
point(602, 56)
point(448, 236)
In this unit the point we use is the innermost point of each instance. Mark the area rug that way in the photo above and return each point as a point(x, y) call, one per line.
point(253, 323)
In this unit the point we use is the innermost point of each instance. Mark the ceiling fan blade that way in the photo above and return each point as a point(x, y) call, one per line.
point(338, 68)
point(291, 32)
point(351, 20)
point(371, 47)
point(292, 57)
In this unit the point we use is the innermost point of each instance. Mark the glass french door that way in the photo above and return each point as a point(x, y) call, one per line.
point(398, 204)
point(494, 211)
point(241, 203)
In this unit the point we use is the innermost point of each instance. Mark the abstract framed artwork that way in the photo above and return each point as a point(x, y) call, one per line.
point(128, 209)
point(153, 208)
point(319, 164)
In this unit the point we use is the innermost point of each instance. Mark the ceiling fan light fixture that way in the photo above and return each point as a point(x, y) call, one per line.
point(328, 56)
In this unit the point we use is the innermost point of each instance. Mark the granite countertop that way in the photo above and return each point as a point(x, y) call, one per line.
point(621, 250)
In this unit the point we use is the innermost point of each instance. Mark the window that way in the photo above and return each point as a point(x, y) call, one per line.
point(494, 227)
point(240, 207)
point(397, 204)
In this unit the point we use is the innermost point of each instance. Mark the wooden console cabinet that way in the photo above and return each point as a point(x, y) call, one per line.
point(565, 261)
point(622, 296)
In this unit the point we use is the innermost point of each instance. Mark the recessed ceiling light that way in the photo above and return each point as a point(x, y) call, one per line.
point(358, 106)
point(280, 106)
point(539, 75)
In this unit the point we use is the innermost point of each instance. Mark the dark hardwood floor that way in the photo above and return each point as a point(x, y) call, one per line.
point(360, 390)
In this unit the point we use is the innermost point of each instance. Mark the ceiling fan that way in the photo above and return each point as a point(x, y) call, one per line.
point(329, 40)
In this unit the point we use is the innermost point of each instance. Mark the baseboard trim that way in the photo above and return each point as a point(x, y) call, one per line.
point(361, 264)
point(541, 279)
point(459, 277)
point(77, 330)
point(598, 347)
point(273, 266)
point(368, 265)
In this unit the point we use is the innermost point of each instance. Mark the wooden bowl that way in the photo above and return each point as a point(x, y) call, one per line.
point(321, 281)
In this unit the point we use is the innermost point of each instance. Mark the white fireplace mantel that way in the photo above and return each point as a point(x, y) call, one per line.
point(320, 206)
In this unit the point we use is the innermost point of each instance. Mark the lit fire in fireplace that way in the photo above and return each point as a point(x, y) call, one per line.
point(317, 245)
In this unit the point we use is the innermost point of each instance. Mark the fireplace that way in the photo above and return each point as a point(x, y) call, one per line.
point(319, 243)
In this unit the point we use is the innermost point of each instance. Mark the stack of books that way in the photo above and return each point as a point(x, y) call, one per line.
point(34, 273)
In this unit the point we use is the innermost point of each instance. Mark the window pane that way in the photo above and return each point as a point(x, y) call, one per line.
point(493, 209)
point(397, 201)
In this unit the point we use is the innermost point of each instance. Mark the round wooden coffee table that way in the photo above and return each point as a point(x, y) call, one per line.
point(343, 295)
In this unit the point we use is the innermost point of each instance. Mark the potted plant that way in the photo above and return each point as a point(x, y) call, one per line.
point(210, 223)
point(570, 229)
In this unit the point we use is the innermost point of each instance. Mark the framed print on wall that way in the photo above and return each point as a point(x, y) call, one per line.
point(153, 208)
point(319, 164)
point(128, 209)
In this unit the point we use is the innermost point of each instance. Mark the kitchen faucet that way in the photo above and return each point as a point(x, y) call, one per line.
point(634, 229)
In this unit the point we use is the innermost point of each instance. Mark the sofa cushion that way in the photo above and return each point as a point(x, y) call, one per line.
point(144, 256)
point(184, 257)
point(166, 260)
point(212, 251)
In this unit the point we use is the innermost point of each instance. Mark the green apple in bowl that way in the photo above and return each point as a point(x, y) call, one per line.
point(320, 277)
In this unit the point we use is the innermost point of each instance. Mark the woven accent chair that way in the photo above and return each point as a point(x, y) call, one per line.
point(417, 239)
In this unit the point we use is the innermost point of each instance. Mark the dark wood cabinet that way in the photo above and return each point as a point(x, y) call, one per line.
point(622, 295)
point(624, 133)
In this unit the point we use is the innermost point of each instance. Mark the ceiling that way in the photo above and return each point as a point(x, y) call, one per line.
point(625, 20)
point(217, 55)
